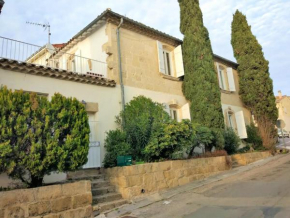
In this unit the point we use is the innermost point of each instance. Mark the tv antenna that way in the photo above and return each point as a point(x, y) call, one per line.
point(45, 26)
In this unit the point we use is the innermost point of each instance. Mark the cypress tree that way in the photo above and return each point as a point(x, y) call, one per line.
point(256, 86)
point(200, 84)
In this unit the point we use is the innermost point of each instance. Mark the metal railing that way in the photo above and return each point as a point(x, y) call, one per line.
point(45, 56)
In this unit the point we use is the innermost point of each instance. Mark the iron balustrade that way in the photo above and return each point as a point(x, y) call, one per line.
point(49, 56)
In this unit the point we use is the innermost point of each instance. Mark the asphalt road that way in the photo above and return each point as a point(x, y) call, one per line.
point(260, 192)
point(281, 144)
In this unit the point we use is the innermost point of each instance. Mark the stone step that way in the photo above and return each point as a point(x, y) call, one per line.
point(97, 183)
point(102, 207)
point(106, 198)
point(103, 190)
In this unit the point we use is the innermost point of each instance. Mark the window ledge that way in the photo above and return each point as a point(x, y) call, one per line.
point(226, 91)
point(169, 77)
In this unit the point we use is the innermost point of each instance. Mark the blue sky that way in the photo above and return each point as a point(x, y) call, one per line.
point(269, 21)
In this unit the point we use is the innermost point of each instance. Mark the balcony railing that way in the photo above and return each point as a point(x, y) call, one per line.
point(45, 56)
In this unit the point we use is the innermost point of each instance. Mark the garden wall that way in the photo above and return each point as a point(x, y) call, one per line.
point(131, 181)
point(65, 200)
point(247, 158)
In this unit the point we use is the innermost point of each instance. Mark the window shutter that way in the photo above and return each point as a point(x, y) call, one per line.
point(185, 111)
point(241, 126)
point(231, 79)
point(78, 61)
point(218, 73)
point(64, 67)
point(178, 61)
point(167, 108)
point(160, 57)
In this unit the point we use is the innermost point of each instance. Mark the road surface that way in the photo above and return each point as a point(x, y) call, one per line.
point(260, 192)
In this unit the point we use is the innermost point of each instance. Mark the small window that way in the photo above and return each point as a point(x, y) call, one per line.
point(167, 62)
point(173, 114)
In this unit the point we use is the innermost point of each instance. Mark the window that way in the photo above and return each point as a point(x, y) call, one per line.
point(167, 62)
point(170, 60)
point(173, 114)
point(226, 78)
point(236, 121)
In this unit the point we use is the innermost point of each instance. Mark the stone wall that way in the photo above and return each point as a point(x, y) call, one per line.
point(66, 200)
point(132, 181)
point(247, 158)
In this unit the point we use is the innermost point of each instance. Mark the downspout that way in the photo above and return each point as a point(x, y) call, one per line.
point(120, 66)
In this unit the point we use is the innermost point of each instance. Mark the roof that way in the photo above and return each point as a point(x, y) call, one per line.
point(113, 17)
point(59, 45)
point(279, 99)
point(39, 70)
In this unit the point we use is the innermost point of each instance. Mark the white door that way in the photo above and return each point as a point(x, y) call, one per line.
point(94, 156)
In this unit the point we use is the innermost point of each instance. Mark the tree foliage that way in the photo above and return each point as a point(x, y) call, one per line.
point(200, 84)
point(167, 138)
point(232, 141)
point(116, 145)
point(38, 136)
point(139, 117)
point(256, 86)
point(254, 137)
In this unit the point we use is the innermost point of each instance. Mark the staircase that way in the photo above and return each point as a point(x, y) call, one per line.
point(105, 197)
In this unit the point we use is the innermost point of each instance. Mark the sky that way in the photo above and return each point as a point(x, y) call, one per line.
point(270, 21)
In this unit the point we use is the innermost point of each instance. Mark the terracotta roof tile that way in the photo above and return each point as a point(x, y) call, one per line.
point(51, 72)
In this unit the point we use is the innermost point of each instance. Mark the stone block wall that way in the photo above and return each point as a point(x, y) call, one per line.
point(65, 200)
point(132, 181)
point(247, 158)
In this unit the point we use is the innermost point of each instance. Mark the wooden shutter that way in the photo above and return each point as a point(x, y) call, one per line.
point(64, 67)
point(241, 126)
point(160, 57)
point(78, 61)
point(231, 80)
point(167, 108)
point(218, 73)
point(185, 111)
point(178, 61)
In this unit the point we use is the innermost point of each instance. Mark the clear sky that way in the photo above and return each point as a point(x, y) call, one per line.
point(270, 21)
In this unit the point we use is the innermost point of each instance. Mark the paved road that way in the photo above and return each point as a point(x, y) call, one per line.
point(287, 142)
point(261, 192)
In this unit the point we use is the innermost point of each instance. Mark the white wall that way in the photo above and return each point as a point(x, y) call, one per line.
point(108, 99)
point(91, 47)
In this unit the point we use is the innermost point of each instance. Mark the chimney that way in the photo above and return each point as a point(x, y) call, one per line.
point(280, 94)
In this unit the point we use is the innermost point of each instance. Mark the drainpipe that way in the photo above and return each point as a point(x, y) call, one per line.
point(120, 66)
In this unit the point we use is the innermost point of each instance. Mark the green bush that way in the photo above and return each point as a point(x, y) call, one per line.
point(254, 137)
point(166, 139)
point(201, 135)
point(138, 119)
point(116, 145)
point(38, 136)
point(218, 140)
point(232, 141)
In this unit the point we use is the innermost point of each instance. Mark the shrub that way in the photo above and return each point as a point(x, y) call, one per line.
point(138, 119)
point(218, 140)
point(254, 137)
point(38, 136)
point(232, 141)
point(245, 149)
point(116, 145)
point(168, 138)
point(200, 136)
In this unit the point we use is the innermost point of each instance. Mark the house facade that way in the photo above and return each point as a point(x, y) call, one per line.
point(283, 106)
point(87, 67)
